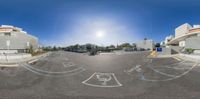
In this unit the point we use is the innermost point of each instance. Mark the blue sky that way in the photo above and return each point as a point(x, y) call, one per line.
point(65, 22)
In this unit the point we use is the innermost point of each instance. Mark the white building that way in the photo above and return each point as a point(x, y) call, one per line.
point(187, 36)
point(146, 44)
point(15, 40)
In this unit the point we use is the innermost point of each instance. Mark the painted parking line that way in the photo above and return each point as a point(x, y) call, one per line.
point(172, 78)
point(162, 73)
point(30, 62)
point(179, 59)
point(9, 65)
point(139, 70)
point(102, 80)
point(51, 73)
point(68, 64)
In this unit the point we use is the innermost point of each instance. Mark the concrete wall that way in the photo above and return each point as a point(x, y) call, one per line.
point(193, 42)
point(196, 51)
point(182, 43)
point(18, 40)
point(10, 57)
point(165, 51)
point(175, 49)
point(146, 44)
point(8, 51)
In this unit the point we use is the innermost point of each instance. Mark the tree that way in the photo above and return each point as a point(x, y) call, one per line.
point(112, 46)
point(30, 49)
point(54, 48)
point(134, 45)
point(125, 45)
point(89, 47)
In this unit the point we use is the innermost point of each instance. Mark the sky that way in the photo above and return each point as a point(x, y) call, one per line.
point(101, 22)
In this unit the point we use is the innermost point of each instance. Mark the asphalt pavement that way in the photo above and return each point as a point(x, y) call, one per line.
point(121, 75)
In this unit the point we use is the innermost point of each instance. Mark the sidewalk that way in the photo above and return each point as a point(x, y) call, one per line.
point(14, 63)
point(187, 57)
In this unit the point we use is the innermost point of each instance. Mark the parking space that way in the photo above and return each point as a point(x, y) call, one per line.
point(109, 76)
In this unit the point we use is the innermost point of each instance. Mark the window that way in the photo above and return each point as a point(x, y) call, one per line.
point(7, 34)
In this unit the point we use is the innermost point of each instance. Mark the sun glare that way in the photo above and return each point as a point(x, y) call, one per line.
point(100, 34)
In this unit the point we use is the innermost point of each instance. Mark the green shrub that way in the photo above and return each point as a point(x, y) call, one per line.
point(189, 50)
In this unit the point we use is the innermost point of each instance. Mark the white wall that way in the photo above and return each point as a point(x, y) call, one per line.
point(198, 34)
point(193, 42)
point(182, 43)
point(10, 57)
point(146, 44)
point(8, 51)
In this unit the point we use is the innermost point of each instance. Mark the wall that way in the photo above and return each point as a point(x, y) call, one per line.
point(165, 51)
point(193, 42)
point(176, 49)
point(182, 43)
point(8, 51)
point(18, 40)
point(148, 44)
point(10, 57)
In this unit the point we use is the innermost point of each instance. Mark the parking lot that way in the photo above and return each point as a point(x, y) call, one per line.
point(122, 75)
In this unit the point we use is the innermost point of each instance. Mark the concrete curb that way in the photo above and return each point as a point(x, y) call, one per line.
point(16, 62)
point(179, 57)
point(9, 65)
point(161, 56)
point(194, 58)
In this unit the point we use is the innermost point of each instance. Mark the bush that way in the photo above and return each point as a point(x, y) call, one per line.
point(189, 50)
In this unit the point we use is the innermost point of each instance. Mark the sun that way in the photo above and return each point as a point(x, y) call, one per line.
point(100, 34)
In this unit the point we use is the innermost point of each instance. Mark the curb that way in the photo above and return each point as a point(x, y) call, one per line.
point(193, 58)
point(15, 63)
point(9, 65)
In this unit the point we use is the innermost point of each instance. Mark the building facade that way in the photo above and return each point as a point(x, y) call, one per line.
point(15, 40)
point(187, 36)
point(145, 44)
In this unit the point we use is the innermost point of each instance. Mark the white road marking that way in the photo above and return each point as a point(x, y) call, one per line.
point(172, 77)
point(176, 77)
point(118, 84)
point(30, 62)
point(134, 68)
point(178, 68)
point(11, 65)
point(169, 75)
point(50, 73)
point(148, 60)
point(177, 58)
point(68, 64)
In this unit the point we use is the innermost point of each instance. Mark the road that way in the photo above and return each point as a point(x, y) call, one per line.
point(131, 75)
